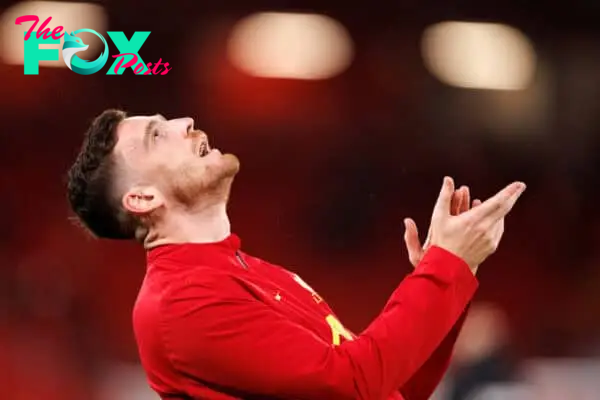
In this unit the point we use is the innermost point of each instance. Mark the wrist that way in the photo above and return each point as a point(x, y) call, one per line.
point(472, 266)
point(445, 265)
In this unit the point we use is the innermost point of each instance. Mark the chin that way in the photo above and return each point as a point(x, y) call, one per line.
point(221, 173)
point(211, 179)
point(232, 164)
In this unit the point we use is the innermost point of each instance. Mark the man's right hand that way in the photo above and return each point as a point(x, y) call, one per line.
point(473, 235)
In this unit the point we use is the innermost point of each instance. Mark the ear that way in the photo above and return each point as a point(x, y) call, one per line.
point(142, 200)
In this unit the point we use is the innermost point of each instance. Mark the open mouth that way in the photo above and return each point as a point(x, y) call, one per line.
point(204, 147)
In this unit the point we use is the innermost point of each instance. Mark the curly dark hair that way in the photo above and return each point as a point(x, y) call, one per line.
point(91, 188)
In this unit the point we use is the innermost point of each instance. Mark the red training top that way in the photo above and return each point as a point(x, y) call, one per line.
point(212, 322)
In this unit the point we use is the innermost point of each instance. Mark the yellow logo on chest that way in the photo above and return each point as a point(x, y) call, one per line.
point(338, 331)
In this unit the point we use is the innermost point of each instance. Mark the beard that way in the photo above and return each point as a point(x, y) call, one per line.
point(197, 185)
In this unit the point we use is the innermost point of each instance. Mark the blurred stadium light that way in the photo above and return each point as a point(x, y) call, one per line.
point(504, 391)
point(70, 15)
point(479, 55)
point(558, 379)
point(124, 382)
point(290, 46)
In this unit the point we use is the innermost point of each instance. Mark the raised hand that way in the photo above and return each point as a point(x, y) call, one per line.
point(474, 234)
point(461, 202)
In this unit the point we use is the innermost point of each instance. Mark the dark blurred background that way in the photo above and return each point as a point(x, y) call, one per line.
point(343, 129)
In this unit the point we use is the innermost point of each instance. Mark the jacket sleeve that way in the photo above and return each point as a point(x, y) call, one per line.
point(215, 332)
point(424, 382)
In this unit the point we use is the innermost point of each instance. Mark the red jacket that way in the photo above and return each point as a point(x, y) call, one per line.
point(212, 322)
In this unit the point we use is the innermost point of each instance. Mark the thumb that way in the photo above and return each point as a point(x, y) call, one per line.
point(444, 201)
point(411, 238)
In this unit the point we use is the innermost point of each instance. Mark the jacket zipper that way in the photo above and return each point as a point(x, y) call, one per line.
point(240, 259)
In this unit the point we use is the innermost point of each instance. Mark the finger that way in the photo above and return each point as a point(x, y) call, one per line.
point(476, 203)
point(442, 205)
point(411, 238)
point(499, 205)
point(455, 202)
point(460, 195)
point(466, 201)
point(411, 235)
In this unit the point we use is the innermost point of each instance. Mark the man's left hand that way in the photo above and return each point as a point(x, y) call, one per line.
point(461, 202)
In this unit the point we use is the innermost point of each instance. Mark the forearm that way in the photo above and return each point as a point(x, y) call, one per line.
point(419, 315)
point(423, 383)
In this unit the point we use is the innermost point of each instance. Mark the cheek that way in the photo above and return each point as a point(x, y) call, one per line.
point(179, 167)
point(168, 160)
point(156, 166)
point(189, 169)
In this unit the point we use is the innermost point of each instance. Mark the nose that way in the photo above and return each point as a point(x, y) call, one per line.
point(183, 125)
point(189, 124)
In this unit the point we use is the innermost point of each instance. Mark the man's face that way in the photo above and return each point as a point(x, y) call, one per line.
point(173, 159)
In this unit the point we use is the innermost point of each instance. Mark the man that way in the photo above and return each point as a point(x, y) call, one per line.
point(213, 322)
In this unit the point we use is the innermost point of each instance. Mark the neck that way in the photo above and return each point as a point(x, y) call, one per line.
point(207, 225)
